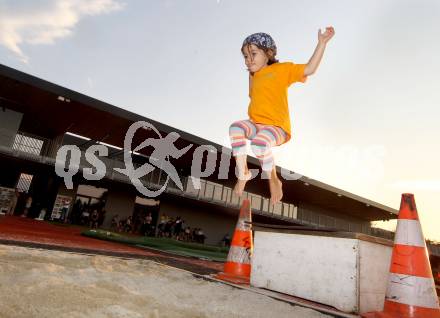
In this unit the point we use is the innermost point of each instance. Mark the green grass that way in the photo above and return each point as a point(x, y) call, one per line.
point(202, 251)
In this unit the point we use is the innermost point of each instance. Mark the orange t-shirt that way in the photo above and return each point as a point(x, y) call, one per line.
point(268, 94)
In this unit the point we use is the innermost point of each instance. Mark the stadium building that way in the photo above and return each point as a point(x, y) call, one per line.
point(37, 118)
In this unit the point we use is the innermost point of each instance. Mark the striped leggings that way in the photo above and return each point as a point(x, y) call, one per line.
point(263, 138)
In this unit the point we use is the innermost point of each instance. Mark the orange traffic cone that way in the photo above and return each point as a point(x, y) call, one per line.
point(238, 264)
point(411, 290)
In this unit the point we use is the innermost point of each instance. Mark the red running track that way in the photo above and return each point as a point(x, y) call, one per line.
point(32, 233)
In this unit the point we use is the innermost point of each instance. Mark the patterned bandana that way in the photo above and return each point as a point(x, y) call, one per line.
point(262, 40)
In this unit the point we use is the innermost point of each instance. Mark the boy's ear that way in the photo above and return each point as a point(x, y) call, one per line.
point(270, 53)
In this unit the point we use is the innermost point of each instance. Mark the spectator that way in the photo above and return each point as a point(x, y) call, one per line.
point(128, 225)
point(101, 217)
point(177, 227)
point(187, 234)
point(27, 206)
point(94, 219)
point(64, 214)
point(114, 225)
point(149, 222)
point(201, 236)
point(14, 201)
point(121, 225)
point(147, 225)
point(168, 228)
point(85, 216)
point(161, 227)
point(226, 241)
point(195, 235)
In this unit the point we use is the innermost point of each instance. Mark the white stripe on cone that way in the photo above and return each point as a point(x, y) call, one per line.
point(239, 254)
point(243, 226)
point(409, 232)
point(412, 290)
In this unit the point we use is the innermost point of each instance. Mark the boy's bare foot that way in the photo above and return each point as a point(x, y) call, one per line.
point(241, 183)
point(276, 190)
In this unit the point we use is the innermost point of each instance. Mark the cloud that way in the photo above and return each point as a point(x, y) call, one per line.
point(44, 22)
point(416, 185)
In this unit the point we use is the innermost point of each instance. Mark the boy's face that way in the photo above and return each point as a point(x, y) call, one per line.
point(254, 58)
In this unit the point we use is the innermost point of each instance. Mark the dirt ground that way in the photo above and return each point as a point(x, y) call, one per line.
point(45, 283)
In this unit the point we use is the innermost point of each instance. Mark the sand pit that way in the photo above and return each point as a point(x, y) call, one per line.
point(43, 283)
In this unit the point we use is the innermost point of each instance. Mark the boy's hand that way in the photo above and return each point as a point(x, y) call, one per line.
point(314, 61)
point(326, 36)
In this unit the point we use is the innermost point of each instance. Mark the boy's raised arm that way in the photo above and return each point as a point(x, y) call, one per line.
point(314, 61)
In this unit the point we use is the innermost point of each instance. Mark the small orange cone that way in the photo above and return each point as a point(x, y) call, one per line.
point(411, 290)
point(238, 264)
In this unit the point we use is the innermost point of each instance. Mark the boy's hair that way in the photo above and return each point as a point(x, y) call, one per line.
point(269, 52)
point(264, 42)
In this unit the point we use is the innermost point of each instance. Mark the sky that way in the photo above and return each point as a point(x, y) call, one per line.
point(366, 122)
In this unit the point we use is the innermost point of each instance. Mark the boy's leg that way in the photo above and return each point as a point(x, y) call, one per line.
point(239, 132)
point(275, 186)
point(266, 138)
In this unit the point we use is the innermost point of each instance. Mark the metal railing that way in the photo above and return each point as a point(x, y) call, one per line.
point(25, 145)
